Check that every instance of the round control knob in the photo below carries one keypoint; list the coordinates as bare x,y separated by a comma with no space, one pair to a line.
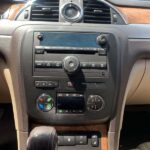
45,102
71,64
95,103
102,40
40,37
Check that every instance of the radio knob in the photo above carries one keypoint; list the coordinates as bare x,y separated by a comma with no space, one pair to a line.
102,40
95,103
71,64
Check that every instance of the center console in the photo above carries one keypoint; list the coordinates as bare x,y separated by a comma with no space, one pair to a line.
70,77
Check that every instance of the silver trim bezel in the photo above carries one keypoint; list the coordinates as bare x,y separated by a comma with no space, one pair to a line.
77,18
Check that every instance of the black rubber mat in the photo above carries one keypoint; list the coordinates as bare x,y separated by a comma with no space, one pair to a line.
136,129
8,138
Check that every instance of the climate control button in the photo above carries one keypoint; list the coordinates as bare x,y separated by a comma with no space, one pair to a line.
45,102
95,103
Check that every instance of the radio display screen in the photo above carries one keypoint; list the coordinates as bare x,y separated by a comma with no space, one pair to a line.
69,39
70,103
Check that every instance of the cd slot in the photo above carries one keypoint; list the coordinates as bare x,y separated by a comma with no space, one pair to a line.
68,50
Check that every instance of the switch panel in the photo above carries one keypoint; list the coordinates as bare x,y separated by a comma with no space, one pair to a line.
82,139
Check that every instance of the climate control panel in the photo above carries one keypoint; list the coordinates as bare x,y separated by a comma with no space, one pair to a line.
70,103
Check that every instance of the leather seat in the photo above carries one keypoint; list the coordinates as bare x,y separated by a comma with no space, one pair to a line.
143,146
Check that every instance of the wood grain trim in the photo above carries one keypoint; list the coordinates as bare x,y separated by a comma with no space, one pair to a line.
132,15
14,9
135,15
102,128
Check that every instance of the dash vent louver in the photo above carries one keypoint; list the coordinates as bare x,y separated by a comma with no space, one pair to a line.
45,11
96,11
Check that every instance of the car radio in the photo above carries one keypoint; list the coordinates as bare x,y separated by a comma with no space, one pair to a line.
71,76
69,54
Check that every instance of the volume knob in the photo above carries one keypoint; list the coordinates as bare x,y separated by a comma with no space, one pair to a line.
71,64
102,40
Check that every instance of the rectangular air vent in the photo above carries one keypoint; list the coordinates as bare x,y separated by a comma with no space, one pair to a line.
45,11
96,12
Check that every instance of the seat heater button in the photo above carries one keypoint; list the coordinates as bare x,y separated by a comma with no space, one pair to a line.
69,140
60,140
94,141
81,140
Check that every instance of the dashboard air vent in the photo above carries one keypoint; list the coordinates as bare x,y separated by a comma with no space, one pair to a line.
96,11
45,11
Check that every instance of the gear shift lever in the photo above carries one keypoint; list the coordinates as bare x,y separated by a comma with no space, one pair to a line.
42,138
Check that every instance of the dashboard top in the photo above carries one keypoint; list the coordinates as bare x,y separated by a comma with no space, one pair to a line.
135,14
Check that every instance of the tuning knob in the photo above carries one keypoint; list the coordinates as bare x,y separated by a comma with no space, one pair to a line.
71,64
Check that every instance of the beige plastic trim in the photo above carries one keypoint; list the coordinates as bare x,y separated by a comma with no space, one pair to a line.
116,124
22,140
13,98
136,77
142,93
21,136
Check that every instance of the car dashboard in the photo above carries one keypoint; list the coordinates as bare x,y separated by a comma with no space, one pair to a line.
74,65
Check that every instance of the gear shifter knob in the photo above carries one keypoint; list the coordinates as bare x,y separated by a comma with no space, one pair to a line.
42,138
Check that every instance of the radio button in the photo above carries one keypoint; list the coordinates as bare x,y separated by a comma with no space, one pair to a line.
58,64
102,51
48,64
53,64
93,65
39,51
103,65
85,65
39,64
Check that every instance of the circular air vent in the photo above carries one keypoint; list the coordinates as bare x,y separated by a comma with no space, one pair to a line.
72,12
